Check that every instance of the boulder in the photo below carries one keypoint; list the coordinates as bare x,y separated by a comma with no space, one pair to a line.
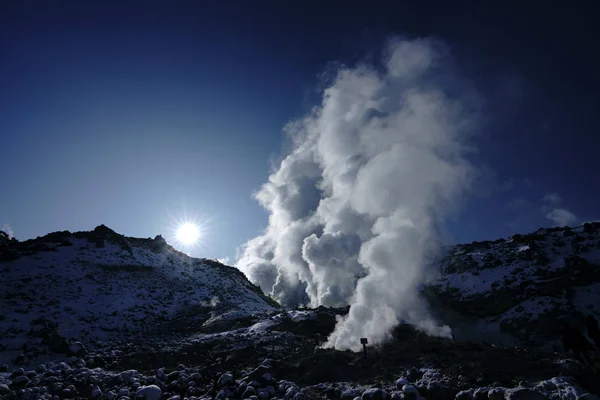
374,394
150,392
225,379
401,382
410,392
464,395
438,391
522,393
496,394
77,349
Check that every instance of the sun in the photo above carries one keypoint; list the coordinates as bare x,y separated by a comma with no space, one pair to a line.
188,233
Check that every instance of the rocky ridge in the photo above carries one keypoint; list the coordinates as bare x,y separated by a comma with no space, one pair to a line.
517,291
199,343
98,286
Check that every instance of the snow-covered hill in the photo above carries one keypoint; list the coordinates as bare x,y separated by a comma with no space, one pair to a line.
524,286
99,285
161,324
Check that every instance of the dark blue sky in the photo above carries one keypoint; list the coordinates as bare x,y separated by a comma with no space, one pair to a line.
136,114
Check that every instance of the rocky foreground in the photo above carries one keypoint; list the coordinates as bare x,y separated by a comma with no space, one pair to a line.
279,358
161,325
72,379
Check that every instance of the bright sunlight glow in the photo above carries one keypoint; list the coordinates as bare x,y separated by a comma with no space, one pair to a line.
188,233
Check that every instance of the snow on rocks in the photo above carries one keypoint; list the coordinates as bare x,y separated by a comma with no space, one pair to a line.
374,394
249,391
401,382
564,386
292,391
464,395
410,392
128,376
225,379
350,393
138,282
150,392
67,380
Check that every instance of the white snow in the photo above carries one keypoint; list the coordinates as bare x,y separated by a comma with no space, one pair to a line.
262,326
101,293
150,392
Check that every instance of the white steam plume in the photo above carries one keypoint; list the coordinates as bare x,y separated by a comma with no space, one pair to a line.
356,206
7,228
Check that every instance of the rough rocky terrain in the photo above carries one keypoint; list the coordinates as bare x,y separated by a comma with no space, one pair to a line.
517,291
187,328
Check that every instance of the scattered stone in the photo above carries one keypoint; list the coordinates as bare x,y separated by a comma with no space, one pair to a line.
250,391
225,379
128,376
496,394
397,395
374,394
263,394
172,376
96,393
522,393
150,392
464,395
20,380
196,377
17,372
258,372
414,374
438,391
291,391
77,349
4,390
401,382
410,392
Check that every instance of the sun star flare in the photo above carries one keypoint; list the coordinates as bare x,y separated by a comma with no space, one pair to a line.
188,233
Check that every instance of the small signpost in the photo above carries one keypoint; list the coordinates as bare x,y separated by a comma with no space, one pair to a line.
319,339
364,342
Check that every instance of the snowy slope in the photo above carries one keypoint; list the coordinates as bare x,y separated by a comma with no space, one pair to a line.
525,285
100,285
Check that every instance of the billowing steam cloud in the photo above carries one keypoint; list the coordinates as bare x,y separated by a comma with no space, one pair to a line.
356,206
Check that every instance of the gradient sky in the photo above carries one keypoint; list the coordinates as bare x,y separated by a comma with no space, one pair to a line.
138,114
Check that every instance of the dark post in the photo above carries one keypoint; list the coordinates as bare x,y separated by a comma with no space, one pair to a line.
215,385
364,342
